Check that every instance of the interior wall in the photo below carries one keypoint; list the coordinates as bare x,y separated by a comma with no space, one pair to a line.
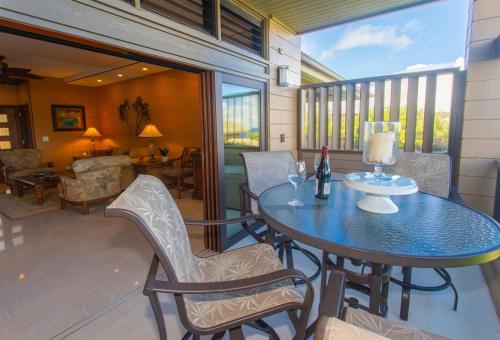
62,145
8,95
174,99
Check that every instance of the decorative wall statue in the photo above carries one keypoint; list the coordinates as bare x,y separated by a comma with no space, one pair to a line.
141,111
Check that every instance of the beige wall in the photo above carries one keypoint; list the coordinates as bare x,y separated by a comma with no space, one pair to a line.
174,98
481,129
283,100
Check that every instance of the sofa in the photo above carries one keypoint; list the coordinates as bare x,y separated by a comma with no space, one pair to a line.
17,163
97,179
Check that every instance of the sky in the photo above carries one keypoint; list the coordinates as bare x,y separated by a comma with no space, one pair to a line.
414,39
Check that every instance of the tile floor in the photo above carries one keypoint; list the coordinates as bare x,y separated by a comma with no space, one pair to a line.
68,275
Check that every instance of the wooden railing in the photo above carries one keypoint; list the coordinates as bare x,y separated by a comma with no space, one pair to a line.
428,104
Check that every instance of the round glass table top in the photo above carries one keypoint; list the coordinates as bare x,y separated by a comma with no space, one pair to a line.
428,231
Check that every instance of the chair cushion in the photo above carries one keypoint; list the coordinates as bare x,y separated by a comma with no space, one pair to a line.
98,163
390,329
330,328
209,310
174,172
21,158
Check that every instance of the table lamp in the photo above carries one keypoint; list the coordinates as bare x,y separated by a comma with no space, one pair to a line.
150,131
92,133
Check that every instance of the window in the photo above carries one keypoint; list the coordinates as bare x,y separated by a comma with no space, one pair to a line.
199,14
240,28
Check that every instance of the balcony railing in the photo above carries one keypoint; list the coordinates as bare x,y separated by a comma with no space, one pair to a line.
428,104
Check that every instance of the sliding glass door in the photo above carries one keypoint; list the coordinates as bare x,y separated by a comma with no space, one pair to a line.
242,125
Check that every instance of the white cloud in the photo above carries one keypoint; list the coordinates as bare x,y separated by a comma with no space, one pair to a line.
413,26
459,62
367,35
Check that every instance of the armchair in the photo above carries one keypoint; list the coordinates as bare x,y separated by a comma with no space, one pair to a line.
17,163
338,322
96,179
216,294
183,171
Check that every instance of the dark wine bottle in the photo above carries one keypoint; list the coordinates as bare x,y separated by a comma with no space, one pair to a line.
322,189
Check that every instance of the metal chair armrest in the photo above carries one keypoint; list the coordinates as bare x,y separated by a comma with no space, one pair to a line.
333,302
244,187
220,222
225,286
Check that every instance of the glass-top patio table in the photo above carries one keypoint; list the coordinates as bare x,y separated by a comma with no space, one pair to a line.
428,231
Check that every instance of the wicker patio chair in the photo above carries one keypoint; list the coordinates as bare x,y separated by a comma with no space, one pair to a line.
214,294
263,171
338,322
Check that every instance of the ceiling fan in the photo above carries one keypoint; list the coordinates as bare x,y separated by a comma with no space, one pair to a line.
14,75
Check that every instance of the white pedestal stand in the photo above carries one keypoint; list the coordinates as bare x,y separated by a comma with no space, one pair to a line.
379,190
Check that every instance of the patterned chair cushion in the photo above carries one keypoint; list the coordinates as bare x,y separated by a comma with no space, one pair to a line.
330,328
384,327
431,171
210,310
265,170
21,158
150,200
91,185
98,163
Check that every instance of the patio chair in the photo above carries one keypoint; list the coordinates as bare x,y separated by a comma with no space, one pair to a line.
264,170
213,294
432,172
338,322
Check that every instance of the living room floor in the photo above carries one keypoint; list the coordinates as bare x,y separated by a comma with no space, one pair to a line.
75,276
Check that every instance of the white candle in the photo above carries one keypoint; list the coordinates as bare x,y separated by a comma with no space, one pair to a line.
381,144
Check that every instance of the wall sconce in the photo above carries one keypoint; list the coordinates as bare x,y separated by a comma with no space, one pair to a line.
283,75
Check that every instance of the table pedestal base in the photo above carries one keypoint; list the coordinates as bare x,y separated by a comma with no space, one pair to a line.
381,204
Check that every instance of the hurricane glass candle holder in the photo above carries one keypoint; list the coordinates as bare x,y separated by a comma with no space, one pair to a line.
381,145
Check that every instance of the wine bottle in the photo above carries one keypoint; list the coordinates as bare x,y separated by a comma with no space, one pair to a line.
322,188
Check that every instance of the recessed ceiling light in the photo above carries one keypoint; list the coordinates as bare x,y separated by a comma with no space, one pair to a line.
119,75
99,80
144,68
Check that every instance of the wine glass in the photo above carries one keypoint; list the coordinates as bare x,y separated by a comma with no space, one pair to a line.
296,176
317,160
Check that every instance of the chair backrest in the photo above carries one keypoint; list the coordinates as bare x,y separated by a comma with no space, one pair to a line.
266,169
148,202
99,163
187,157
431,171
21,158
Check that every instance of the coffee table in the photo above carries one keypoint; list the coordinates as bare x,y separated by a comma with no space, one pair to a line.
38,184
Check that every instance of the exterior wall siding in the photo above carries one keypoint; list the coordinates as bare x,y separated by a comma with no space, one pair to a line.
481,129
283,100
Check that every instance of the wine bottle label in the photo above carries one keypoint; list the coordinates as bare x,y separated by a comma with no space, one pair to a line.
326,188
316,187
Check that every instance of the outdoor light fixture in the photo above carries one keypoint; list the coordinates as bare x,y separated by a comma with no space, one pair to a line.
283,75
150,131
92,133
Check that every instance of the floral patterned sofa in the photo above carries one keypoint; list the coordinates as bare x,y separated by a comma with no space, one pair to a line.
17,163
96,179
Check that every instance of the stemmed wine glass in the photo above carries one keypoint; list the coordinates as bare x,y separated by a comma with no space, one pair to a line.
317,160
296,176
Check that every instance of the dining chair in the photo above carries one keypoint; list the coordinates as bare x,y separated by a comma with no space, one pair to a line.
336,321
214,294
264,170
185,169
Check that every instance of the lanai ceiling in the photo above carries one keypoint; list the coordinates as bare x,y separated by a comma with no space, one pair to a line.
308,15
75,66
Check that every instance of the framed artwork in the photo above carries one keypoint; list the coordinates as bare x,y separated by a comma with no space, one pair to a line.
68,118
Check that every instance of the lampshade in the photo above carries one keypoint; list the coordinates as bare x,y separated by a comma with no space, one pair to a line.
150,131
92,133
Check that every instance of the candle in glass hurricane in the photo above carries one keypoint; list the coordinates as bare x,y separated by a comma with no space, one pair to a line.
381,144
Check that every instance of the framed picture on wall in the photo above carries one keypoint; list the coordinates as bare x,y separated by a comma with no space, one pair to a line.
68,118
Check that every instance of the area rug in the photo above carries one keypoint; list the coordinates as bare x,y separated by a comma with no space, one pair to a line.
16,208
